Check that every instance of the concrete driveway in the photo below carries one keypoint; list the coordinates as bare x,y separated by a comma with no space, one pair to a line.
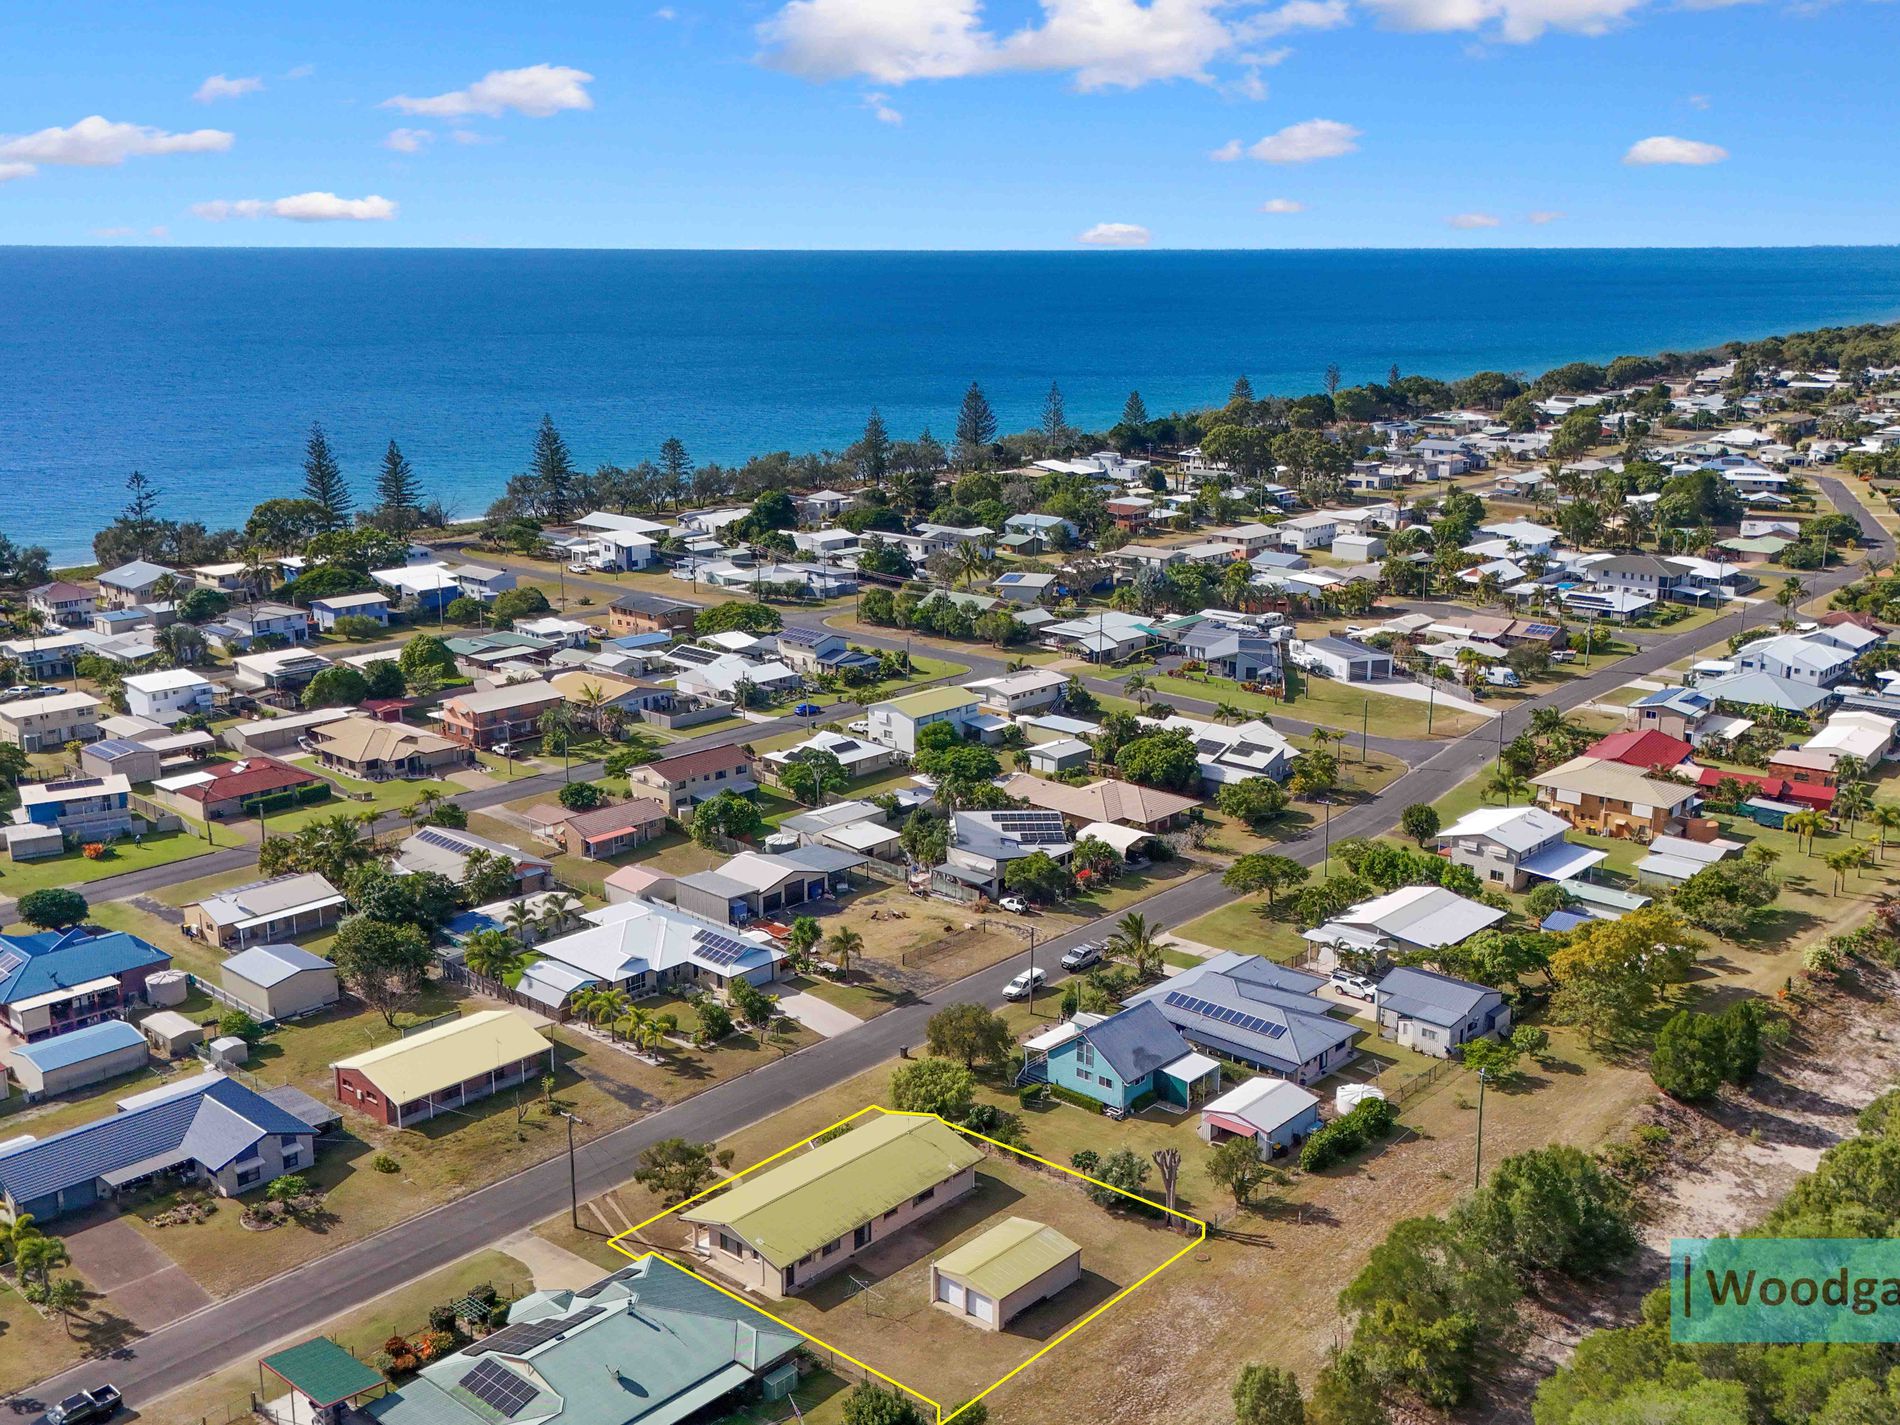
819,1016
143,1284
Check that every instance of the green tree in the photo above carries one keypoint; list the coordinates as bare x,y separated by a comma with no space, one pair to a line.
813,776
1122,1169
65,1298
398,493
1267,1395
1550,1210
1056,434
969,1032
1162,759
553,472
874,1405
1254,800
938,1086
381,964
338,686
52,908
976,428
1038,876
675,1169
1690,1055
728,815
323,482
1420,822
1236,1166
1264,871
874,450
581,796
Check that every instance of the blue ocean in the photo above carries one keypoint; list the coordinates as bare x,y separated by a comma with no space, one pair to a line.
204,368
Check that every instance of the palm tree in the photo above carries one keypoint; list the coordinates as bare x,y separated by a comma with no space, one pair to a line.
592,700
604,1006
519,918
1227,712
1138,688
1137,942
37,1255
1853,801
973,561
844,943
497,957
1884,817
65,1298
1843,861
1805,825
1507,784
558,909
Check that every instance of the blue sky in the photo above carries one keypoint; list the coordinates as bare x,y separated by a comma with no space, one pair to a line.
951,123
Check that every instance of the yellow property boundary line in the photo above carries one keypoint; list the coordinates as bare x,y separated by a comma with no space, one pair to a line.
936,1405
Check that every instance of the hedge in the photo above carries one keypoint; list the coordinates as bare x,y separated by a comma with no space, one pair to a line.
1371,1121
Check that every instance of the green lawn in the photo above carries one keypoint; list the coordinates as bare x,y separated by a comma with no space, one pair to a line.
1328,702
1240,926
73,869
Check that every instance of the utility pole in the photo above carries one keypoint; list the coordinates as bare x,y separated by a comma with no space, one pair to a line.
1365,720
1431,700
1032,972
573,1179
1477,1170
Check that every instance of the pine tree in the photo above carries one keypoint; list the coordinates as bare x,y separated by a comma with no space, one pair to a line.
1392,374
398,494
1332,378
976,427
1055,419
554,473
1243,390
323,482
1135,411
874,451
140,516
676,469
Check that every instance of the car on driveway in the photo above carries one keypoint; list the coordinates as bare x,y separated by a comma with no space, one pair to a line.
1015,905
1020,987
1089,952
1355,985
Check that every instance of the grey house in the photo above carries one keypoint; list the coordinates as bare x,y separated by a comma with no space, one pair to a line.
755,883
1239,654
1434,1013
1648,575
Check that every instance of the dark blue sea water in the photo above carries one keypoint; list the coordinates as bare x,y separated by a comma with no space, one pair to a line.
204,368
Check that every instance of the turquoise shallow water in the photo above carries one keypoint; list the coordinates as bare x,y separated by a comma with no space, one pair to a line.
204,367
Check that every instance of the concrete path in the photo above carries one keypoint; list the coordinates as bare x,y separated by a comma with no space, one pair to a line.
1419,693
142,1284
552,1266
819,1016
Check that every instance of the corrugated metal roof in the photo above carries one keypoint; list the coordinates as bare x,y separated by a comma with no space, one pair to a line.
57,960
428,1062
65,1050
269,965
1008,1257
793,1209
234,1118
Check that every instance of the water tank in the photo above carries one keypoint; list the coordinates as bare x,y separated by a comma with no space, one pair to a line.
165,988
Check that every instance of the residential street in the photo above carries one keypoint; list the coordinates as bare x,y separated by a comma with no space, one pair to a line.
240,1327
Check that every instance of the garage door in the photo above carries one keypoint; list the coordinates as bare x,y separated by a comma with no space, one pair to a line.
950,1293
981,1307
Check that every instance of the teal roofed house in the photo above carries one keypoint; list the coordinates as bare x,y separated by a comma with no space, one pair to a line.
1123,1061
649,1345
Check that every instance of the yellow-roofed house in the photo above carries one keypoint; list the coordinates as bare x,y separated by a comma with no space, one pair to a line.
779,1230
415,1078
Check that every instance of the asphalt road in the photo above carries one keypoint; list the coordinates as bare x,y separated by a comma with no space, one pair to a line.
241,1327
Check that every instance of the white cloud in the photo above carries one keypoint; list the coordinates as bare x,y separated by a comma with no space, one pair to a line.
1102,43
1545,215
302,71
666,12
1472,220
1293,15
300,208
1698,101
161,231
1306,141
115,232
98,143
879,105
538,91
1666,149
219,87
469,136
409,140
1228,152
1115,235
1518,21
1283,205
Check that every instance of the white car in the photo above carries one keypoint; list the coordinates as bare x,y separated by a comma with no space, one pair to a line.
1020,987
1083,955
580,567
1358,986
1015,905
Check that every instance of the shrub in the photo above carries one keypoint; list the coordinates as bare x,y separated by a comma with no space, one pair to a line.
236,1022
1029,1095
383,1163
1371,1121
1072,1096
95,850
442,1318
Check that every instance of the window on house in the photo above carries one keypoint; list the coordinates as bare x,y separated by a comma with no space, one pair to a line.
832,1246
923,1197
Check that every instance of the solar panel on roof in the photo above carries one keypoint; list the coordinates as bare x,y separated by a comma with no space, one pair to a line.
10,960
1541,630
526,1335
1222,1014
429,836
499,1388
720,949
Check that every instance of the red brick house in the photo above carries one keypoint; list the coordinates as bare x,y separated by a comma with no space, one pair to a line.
227,789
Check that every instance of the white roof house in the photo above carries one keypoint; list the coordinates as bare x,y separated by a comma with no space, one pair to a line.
633,940
1514,828
1865,735
1410,918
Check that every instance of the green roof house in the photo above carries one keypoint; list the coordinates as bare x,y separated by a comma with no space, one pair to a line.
993,1278
779,1230
896,722
649,1345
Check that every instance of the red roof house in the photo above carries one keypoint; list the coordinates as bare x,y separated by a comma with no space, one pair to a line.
1645,749
234,788
1778,789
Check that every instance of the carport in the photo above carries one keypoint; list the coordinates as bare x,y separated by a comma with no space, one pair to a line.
321,1376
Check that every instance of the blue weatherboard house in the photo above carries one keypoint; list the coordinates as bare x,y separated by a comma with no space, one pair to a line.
1124,1061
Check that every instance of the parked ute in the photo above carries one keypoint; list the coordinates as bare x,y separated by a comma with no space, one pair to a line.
100,1403
1020,987
1084,955
1015,905
1358,986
